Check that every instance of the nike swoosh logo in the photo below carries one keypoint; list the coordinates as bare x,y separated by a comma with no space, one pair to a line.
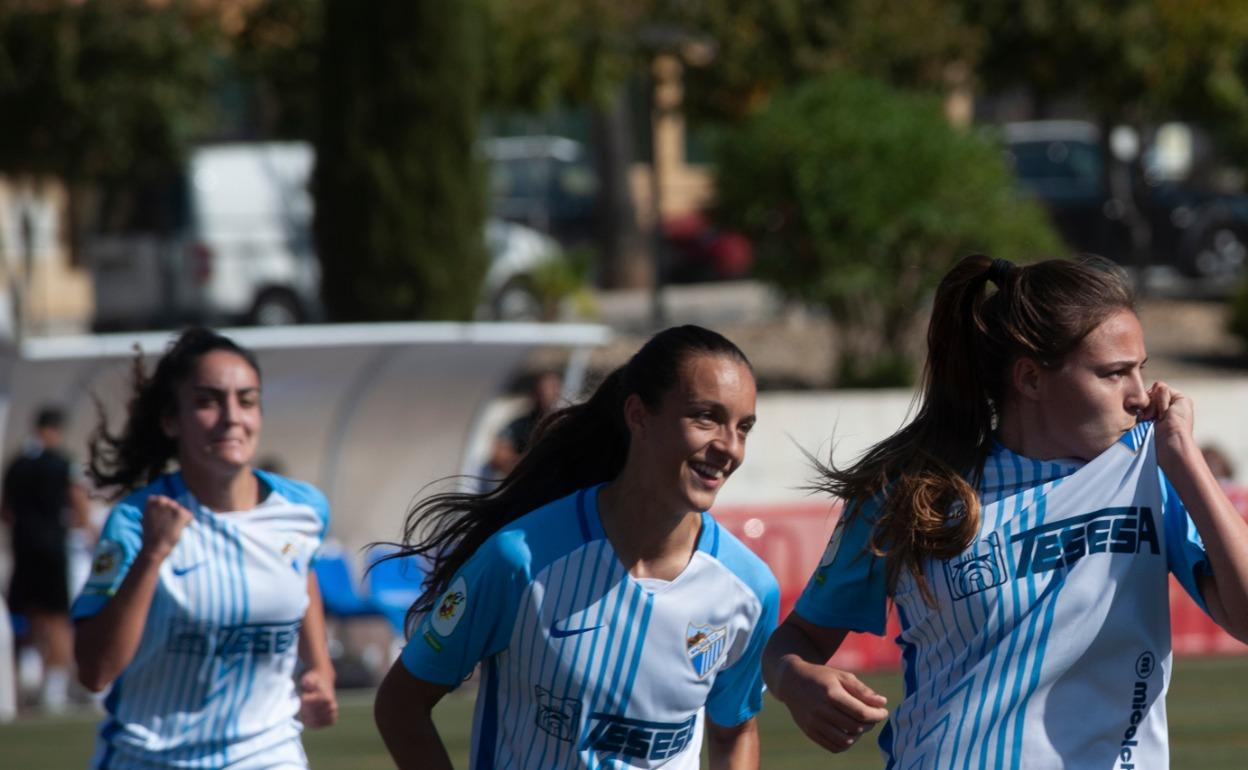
561,633
180,571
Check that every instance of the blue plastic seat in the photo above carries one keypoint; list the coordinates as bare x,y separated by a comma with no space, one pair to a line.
394,585
338,586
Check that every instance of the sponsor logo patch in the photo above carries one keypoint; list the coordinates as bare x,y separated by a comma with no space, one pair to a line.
560,717
636,739
1128,748
445,616
432,641
980,568
105,568
1063,543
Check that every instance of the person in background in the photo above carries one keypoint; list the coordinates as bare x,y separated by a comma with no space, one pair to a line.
1224,471
42,499
513,440
201,600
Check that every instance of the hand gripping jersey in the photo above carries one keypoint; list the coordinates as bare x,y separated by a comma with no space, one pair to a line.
211,684
1050,642
585,666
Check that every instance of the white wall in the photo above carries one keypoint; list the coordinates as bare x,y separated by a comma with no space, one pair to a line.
775,469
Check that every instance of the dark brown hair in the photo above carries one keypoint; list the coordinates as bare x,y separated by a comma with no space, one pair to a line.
122,463
925,474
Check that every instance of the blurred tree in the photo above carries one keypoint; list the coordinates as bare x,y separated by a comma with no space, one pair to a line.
399,197
100,90
858,198
581,52
276,54
760,46
1133,63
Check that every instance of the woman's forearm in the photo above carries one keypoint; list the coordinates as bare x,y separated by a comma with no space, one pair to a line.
105,643
403,712
1225,536
313,641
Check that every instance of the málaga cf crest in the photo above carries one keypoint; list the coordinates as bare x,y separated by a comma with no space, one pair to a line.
706,647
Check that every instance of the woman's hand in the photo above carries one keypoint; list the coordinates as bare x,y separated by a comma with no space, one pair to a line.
1174,416
318,705
833,707
163,521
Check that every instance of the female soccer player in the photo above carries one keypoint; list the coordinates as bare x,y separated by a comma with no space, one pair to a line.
609,612
1024,524
200,595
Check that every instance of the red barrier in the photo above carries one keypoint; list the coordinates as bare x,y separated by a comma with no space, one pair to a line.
791,537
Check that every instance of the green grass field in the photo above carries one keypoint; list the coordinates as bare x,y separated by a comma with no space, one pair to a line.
1208,708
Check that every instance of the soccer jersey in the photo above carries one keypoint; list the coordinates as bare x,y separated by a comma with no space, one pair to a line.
585,666
211,685
1050,642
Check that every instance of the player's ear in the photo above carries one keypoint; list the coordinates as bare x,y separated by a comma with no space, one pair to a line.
635,414
1025,376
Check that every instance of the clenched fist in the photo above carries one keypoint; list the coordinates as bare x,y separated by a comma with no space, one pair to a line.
163,521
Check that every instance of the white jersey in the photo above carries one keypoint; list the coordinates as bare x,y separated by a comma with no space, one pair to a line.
211,685
1050,642
585,666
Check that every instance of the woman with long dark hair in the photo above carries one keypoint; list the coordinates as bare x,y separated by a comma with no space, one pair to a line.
200,600
1024,524
614,619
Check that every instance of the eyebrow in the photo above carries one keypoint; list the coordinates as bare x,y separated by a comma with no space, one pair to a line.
711,404
215,391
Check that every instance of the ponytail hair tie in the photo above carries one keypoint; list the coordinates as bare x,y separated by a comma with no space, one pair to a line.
999,271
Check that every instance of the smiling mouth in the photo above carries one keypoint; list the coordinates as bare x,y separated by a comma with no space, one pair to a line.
708,473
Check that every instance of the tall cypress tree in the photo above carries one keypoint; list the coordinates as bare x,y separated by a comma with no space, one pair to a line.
399,189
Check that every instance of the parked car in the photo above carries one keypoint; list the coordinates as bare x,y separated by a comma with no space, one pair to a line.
543,182
697,250
231,242
1201,231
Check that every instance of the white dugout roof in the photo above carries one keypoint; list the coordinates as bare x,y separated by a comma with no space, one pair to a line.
369,413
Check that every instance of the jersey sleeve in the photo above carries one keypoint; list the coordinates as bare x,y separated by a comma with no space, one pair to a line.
1186,557
119,543
471,620
849,588
737,694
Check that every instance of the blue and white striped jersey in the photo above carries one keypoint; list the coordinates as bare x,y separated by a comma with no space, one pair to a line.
585,666
1050,642
211,685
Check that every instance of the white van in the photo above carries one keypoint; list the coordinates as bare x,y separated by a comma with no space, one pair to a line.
235,245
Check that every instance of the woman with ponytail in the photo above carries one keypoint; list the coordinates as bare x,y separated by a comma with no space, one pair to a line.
201,603
1023,523
615,621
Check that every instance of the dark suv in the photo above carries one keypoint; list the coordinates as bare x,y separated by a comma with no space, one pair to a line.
1201,232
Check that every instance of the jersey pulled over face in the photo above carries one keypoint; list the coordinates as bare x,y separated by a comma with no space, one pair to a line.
1049,645
585,666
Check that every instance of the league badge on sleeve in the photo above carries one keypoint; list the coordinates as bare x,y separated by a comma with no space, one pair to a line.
707,648
105,569
450,608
